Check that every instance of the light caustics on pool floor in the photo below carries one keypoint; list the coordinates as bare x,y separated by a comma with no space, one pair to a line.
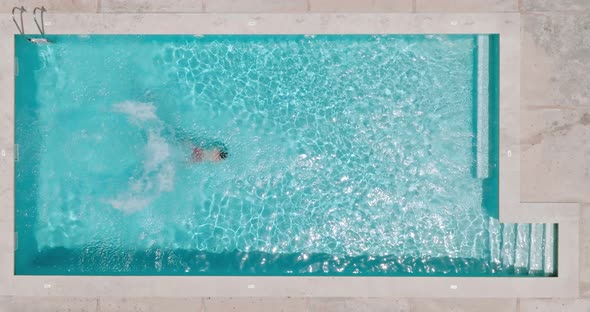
369,155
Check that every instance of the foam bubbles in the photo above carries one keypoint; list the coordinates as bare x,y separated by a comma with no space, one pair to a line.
166,178
130,203
157,150
137,111
158,171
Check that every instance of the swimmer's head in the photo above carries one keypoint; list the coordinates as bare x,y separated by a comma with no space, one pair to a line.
223,154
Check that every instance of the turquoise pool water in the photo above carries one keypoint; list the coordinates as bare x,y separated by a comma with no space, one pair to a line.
347,155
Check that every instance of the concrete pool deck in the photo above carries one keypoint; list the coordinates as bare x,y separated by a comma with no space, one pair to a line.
548,92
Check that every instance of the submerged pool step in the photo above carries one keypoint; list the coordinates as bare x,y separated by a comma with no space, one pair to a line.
523,248
526,249
536,253
549,249
483,102
495,232
508,244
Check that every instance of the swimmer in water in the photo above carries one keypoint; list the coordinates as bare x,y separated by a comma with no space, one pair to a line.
214,154
201,149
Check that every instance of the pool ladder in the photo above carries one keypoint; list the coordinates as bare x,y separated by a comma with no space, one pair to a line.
21,26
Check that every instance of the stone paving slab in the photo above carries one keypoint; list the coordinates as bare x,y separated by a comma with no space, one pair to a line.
466,5
59,304
381,6
151,305
51,5
359,304
555,155
585,252
554,305
40,304
460,305
555,5
555,60
255,304
255,6
555,108
167,6
269,6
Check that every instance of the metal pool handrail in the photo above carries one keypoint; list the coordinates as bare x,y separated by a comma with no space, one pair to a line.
21,28
42,27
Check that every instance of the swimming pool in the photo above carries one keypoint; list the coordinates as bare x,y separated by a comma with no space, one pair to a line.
348,155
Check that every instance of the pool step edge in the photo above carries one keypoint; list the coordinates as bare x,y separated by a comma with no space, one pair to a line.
482,122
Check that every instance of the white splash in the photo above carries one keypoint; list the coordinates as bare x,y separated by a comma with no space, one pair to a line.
166,178
130,203
158,171
157,151
137,111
